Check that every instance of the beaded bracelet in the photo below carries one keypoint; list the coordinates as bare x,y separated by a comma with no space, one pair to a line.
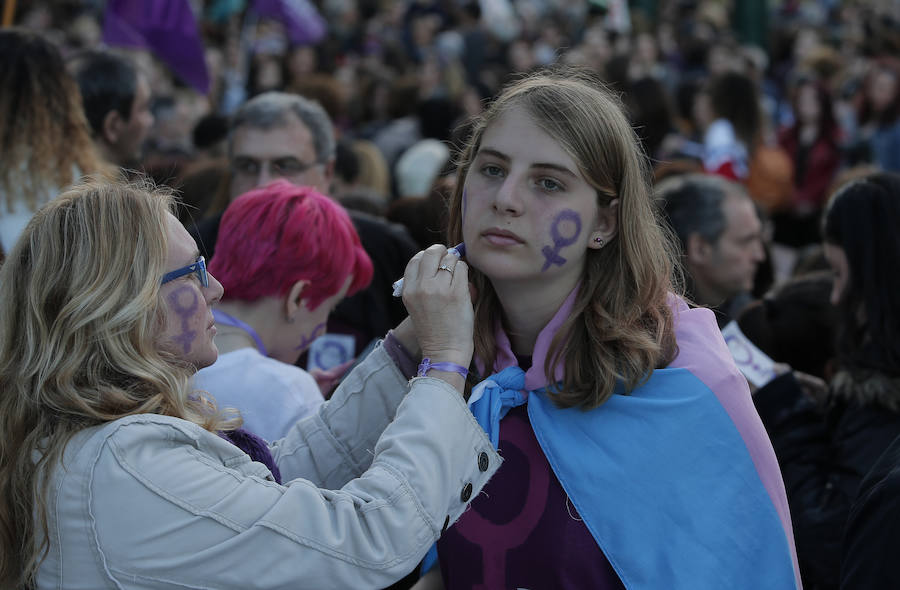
427,365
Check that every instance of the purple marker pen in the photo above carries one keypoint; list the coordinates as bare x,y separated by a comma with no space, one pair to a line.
459,250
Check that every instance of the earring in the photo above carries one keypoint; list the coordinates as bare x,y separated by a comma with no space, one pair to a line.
599,242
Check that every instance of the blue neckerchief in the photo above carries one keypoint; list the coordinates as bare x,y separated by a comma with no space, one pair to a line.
494,397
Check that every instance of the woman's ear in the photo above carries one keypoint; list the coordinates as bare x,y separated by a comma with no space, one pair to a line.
607,225
294,300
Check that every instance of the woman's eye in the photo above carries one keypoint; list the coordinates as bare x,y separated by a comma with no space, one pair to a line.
549,185
492,170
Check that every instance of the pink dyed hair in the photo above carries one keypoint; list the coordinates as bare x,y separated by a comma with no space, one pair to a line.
274,236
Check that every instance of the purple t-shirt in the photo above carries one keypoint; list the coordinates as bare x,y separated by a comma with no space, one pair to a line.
522,531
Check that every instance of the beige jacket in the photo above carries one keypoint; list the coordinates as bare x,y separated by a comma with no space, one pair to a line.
156,502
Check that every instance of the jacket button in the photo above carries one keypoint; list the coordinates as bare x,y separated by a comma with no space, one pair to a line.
466,493
446,524
483,461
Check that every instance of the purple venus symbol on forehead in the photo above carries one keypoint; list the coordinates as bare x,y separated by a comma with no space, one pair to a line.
551,255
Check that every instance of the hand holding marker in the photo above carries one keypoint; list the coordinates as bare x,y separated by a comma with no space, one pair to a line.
458,250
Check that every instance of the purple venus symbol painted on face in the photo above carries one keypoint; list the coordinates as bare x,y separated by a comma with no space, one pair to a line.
559,242
185,312
308,340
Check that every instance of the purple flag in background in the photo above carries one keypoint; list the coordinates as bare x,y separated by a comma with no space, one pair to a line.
167,28
302,22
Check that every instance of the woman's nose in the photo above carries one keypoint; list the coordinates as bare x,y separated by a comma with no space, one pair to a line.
508,199
215,290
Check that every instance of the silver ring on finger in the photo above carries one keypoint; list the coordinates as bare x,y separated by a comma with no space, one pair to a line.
447,268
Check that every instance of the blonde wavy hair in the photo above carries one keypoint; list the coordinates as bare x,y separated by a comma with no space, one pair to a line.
44,135
621,326
80,315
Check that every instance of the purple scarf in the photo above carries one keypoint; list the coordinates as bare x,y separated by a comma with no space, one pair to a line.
253,446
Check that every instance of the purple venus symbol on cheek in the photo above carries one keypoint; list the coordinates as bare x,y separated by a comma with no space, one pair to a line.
551,255
185,312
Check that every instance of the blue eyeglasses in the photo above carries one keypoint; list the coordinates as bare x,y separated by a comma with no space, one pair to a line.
198,267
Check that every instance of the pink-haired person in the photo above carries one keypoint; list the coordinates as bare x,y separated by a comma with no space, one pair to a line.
286,256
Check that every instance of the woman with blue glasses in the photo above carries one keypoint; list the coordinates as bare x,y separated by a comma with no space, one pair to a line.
115,473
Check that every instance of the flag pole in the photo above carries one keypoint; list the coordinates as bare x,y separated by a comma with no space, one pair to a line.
9,10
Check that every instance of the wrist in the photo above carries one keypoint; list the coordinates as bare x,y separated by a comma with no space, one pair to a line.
428,364
406,336
457,357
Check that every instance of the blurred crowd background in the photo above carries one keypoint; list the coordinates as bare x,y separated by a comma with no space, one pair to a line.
810,88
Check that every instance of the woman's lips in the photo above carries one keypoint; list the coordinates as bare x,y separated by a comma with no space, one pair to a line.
501,237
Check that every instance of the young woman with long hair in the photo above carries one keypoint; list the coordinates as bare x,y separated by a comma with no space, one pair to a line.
633,456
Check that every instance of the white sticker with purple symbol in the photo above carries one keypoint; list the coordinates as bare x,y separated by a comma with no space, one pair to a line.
330,350
756,366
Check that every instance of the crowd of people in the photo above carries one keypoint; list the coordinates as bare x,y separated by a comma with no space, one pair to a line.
549,404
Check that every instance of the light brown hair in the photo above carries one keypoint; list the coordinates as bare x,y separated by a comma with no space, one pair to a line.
620,328
44,135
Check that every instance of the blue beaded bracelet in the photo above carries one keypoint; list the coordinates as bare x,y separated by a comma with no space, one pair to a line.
427,365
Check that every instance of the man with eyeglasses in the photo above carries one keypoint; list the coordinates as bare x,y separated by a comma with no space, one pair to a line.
279,135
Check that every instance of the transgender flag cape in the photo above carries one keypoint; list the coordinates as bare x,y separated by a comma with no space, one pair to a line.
677,481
